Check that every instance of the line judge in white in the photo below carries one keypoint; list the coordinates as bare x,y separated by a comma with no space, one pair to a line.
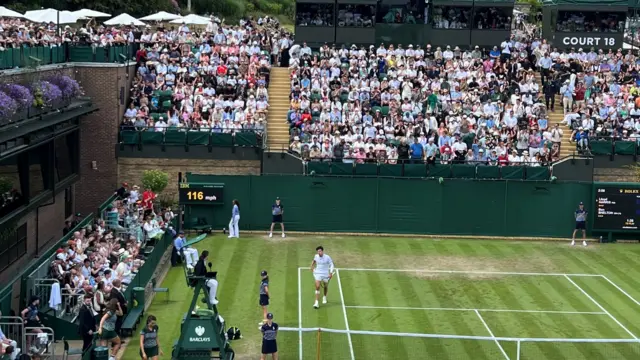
323,269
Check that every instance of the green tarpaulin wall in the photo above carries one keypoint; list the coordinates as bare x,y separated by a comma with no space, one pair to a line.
586,3
384,205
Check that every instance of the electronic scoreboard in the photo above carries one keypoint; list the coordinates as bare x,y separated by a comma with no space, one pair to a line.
200,194
617,208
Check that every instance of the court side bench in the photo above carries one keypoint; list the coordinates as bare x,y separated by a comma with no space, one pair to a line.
131,321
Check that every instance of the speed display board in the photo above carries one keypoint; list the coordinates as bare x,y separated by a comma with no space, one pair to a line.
617,208
201,194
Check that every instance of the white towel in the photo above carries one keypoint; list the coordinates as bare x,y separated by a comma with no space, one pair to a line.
55,299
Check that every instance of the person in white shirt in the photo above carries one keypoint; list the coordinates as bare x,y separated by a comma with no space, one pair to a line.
323,269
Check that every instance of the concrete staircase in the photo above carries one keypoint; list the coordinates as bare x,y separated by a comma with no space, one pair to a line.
555,117
277,126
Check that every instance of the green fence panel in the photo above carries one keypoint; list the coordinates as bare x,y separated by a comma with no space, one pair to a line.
513,172
220,139
5,59
175,137
130,137
440,170
463,171
246,138
537,173
388,205
151,137
393,170
625,147
198,138
602,147
17,60
320,168
57,55
366,169
487,172
339,168
415,170
81,54
47,56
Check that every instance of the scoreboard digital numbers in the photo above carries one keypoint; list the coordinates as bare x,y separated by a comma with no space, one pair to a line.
200,194
617,208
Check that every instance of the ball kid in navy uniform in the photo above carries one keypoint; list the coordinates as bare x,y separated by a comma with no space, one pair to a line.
264,296
277,210
581,224
269,334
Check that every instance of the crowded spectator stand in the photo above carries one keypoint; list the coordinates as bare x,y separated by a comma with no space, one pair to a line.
391,105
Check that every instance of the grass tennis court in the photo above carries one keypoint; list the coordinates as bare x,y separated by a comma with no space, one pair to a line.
390,292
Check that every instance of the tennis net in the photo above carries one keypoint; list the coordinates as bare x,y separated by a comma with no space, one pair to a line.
324,343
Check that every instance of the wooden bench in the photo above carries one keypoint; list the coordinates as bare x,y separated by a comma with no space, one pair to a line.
131,321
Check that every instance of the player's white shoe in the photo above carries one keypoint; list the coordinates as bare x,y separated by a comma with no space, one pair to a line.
324,299
584,243
315,305
270,235
283,236
573,242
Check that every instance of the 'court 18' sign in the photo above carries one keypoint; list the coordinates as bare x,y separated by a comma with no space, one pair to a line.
589,41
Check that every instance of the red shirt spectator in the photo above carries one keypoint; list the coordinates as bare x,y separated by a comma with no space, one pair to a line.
503,159
147,199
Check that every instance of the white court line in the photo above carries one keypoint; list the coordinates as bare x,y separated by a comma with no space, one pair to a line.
493,336
601,307
481,310
621,290
467,272
346,320
300,312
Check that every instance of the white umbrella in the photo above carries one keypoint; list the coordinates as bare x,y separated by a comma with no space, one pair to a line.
124,19
88,13
4,12
51,15
160,16
191,19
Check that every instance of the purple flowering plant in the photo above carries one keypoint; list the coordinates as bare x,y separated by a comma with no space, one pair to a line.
20,94
45,93
8,106
69,87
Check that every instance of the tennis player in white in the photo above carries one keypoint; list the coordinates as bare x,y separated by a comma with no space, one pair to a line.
323,269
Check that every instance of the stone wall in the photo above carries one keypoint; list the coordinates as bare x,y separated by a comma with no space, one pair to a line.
131,169
614,175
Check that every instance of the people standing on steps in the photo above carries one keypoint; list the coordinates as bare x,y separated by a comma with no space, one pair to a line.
234,232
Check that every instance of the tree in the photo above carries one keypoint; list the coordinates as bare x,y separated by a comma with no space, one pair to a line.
155,180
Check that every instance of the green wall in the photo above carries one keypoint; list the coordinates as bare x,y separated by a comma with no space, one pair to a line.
383,205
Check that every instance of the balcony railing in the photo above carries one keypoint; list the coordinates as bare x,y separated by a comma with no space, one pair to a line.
31,56
611,146
201,137
469,170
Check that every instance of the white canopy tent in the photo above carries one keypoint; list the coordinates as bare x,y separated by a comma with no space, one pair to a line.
191,19
88,13
124,19
4,12
161,16
51,15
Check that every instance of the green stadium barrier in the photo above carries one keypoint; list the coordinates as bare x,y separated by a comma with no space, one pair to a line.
198,138
463,171
220,139
175,137
339,168
602,147
129,137
366,169
625,147
512,172
415,170
537,173
319,167
440,170
487,172
246,138
151,137
393,170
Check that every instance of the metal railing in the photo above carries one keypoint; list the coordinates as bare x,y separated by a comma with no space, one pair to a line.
13,329
71,299
422,169
609,145
182,137
39,341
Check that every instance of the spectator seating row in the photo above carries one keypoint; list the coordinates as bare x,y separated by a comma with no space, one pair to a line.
423,170
612,146
202,137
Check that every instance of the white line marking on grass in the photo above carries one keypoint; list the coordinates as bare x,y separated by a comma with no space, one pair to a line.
300,313
601,307
344,311
621,290
461,337
481,310
470,272
493,336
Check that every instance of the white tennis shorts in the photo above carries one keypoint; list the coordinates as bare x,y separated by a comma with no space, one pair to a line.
321,277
